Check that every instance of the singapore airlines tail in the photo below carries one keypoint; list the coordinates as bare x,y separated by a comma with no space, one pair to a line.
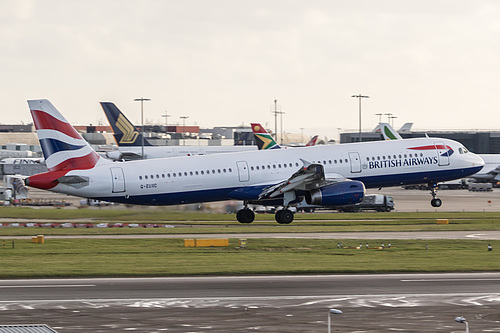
124,131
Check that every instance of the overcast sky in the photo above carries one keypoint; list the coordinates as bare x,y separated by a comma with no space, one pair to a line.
222,63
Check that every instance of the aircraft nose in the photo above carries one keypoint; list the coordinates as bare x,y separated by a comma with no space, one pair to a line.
478,161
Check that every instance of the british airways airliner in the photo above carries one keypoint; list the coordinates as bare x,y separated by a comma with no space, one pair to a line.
319,176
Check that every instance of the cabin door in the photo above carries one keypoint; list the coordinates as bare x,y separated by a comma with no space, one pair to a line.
355,162
443,153
118,180
243,173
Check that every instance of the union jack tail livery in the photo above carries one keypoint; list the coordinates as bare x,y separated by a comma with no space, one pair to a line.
62,146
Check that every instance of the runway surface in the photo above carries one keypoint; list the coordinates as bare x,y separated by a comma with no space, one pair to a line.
370,303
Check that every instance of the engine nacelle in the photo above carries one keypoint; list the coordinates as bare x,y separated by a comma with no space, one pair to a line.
337,194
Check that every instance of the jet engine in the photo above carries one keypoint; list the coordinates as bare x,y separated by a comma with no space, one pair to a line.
337,194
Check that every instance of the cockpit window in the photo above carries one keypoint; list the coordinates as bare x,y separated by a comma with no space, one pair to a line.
465,150
460,150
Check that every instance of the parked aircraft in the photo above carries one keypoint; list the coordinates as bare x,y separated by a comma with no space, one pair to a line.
131,147
490,173
265,140
330,175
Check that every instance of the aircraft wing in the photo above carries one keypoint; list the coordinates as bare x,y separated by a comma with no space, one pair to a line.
310,176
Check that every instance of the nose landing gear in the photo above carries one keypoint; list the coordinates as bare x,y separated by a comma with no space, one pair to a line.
435,202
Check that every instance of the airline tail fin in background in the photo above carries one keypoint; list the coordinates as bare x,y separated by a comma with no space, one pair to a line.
388,132
263,138
124,131
406,127
62,146
312,142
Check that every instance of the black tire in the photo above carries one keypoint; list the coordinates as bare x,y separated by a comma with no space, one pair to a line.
284,216
245,215
436,202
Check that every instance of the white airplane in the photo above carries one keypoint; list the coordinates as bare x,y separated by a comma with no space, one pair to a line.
490,173
132,145
320,175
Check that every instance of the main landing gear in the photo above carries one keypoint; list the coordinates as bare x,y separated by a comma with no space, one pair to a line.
435,202
284,216
245,215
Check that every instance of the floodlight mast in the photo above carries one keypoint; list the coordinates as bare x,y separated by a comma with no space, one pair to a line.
142,99
359,97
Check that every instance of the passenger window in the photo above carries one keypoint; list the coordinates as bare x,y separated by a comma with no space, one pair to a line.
140,177
146,176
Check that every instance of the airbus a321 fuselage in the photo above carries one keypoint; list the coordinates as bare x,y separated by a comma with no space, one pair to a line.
315,176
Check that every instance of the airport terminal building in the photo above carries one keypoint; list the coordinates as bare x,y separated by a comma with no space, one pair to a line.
479,142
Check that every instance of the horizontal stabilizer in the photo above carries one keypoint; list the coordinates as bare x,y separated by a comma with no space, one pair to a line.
72,179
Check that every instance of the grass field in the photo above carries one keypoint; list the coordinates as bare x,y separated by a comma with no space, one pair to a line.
169,257
201,223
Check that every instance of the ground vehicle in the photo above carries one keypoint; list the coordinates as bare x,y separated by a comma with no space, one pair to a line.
378,202
480,187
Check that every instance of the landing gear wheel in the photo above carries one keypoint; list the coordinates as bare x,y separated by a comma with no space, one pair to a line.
436,202
284,216
245,215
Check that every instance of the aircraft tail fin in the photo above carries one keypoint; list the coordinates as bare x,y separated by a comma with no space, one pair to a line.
62,146
263,138
124,131
406,127
312,142
389,133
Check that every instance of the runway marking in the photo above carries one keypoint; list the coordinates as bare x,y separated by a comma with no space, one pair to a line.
475,235
339,297
49,286
450,280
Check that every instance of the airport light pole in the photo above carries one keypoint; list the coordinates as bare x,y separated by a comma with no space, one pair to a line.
166,115
359,97
330,312
142,99
462,320
388,117
392,118
379,117
184,128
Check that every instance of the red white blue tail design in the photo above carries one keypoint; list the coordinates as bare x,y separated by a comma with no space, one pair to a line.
62,146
